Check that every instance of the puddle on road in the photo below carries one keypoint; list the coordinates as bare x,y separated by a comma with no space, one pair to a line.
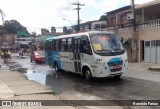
14,66
48,78
39,73
39,77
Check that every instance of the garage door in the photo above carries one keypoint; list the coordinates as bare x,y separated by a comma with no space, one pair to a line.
147,51
152,51
158,51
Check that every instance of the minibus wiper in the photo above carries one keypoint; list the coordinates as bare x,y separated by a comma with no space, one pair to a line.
104,51
115,50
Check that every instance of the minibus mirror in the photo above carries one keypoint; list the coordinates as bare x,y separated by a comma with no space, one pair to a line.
122,39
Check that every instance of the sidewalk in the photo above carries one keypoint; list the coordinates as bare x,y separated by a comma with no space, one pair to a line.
141,71
15,86
142,66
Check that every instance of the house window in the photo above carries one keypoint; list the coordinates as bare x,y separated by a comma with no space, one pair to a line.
97,26
103,26
157,42
158,16
89,26
113,21
83,27
153,43
122,19
147,43
152,17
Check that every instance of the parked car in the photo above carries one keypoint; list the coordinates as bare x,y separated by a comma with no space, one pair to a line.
37,56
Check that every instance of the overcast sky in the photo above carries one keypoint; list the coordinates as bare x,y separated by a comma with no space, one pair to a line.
37,14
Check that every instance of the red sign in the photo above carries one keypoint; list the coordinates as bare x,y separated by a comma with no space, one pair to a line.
116,67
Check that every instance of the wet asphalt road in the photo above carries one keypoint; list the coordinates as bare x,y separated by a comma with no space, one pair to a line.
125,88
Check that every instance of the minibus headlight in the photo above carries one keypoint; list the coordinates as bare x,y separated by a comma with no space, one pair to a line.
126,60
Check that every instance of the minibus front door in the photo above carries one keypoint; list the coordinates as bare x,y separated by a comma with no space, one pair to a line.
77,58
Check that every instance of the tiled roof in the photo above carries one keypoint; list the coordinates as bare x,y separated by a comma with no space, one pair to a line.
153,2
119,9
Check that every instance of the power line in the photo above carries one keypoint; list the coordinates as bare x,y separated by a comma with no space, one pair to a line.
44,28
39,29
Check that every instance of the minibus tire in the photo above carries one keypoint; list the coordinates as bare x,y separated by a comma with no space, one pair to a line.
117,76
88,75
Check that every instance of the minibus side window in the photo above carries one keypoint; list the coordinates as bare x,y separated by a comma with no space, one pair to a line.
85,45
69,44
56,45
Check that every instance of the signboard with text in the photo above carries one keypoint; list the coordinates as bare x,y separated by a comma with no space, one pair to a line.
21,32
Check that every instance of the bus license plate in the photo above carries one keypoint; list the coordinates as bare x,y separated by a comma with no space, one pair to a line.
116,67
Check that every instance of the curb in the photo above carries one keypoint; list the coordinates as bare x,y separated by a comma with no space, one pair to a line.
154,68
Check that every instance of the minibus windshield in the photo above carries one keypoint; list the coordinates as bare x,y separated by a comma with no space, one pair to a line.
106,44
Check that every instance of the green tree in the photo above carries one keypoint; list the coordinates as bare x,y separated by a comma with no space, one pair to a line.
41,45
13,26
103,17
2,30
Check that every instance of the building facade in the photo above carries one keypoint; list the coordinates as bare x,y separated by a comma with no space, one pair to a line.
8,39
92,25
147,29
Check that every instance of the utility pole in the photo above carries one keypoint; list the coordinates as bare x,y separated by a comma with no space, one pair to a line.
134,35
33,42
78,8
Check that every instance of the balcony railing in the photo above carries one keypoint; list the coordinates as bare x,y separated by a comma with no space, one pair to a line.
149,24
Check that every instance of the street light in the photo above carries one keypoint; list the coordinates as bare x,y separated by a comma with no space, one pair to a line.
68,21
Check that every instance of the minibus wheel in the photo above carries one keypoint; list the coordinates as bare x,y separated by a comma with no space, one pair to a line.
88,75
117,76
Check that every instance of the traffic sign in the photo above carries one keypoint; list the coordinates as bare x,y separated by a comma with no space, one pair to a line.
21,32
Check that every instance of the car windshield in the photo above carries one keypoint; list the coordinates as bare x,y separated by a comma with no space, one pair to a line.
106,43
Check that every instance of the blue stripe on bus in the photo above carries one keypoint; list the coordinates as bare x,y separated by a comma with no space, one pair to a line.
46,57
114,59
56,59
